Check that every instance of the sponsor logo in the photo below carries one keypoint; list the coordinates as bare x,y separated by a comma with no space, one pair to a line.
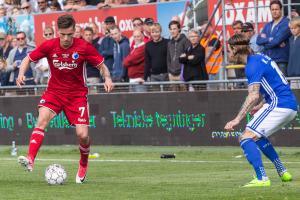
81,120
42,101
64,65
75,55
54,55
65,55
33,141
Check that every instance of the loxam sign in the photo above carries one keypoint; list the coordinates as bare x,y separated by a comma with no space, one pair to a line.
240,10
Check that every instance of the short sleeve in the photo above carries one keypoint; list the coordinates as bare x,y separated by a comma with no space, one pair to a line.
40,52
93,56
254,72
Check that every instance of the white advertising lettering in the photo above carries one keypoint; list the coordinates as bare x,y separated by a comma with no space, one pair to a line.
245,12
64,65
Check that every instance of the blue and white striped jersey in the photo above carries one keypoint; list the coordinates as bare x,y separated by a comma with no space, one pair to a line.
274,87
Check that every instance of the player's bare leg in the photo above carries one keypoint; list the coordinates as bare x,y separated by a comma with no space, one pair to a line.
84,148
36,139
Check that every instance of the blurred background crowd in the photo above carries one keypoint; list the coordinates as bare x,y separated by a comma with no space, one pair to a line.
147,55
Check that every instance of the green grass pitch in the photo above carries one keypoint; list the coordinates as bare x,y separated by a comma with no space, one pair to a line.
138,172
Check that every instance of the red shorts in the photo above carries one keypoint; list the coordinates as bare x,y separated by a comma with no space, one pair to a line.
74,107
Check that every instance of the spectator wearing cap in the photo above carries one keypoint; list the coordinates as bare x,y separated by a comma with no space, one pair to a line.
109,22
146,27
139,24
107,44
5,48
275,37
248,31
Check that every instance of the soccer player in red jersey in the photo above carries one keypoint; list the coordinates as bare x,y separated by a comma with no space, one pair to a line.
66,91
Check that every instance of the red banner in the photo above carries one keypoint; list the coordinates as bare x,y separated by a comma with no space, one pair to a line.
240,10
122,15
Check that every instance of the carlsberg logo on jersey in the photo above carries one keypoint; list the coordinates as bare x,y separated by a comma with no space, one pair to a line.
64,65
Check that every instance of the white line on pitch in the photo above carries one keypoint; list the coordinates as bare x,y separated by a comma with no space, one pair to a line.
145,161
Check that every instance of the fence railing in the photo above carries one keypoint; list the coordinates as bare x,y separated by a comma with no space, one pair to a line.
167,86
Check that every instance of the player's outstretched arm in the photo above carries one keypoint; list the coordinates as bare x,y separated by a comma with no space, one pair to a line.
23,68
249,103
108,84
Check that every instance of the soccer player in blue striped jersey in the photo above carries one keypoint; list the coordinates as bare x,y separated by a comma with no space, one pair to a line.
277,108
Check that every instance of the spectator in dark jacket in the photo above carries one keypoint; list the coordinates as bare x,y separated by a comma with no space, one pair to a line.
156,56
121,50
275,37
194,60
176,46
294,56
107,44
92,73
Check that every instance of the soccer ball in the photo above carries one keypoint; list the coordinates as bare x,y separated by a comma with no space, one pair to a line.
55,174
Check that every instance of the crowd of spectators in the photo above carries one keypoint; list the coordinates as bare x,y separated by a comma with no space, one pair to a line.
278,39
146,55
18,7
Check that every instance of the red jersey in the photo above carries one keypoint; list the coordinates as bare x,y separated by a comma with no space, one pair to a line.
67,72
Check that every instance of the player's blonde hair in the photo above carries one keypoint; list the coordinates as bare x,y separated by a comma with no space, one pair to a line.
295,22
240,47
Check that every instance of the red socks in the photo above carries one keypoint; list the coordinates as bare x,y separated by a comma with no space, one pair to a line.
35,142
84,153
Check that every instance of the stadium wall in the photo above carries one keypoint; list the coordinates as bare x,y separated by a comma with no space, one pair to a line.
185,118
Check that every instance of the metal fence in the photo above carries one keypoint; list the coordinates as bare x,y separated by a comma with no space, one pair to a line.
168,86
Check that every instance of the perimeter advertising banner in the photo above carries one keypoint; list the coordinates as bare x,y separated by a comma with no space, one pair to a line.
161,12
33,25
178,118
240,10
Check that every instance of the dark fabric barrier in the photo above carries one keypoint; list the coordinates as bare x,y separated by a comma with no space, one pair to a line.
185,118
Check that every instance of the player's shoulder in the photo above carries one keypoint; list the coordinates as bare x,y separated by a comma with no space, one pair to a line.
258,59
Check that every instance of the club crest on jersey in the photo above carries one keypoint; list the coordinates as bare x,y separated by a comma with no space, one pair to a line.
75,55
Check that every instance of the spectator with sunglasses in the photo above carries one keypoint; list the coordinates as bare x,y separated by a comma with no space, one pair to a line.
15,58
248,32
26,8
42,66
43,6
